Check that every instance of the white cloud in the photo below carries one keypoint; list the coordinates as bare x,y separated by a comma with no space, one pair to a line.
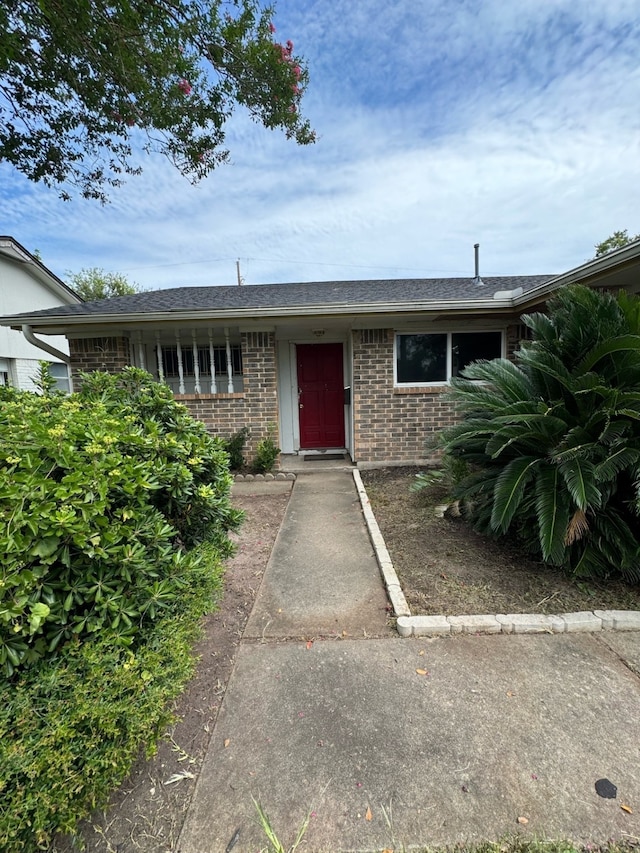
513,125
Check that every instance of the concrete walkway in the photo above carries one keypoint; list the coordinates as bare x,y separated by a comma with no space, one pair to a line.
390,741
322,579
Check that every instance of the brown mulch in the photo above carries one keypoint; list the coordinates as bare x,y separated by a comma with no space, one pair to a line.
447,568
146,814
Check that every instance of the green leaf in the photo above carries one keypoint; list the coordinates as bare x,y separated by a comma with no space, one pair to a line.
553,513
509,490
625,458
45,547
581,480
624,343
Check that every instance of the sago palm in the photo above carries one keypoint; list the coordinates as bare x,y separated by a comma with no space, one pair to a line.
552,441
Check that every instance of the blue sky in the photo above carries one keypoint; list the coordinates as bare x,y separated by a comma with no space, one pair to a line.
441,124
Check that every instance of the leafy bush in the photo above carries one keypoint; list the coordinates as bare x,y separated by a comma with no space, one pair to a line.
190,465
446,477
553,441
71,727
99,494
234,445
266,453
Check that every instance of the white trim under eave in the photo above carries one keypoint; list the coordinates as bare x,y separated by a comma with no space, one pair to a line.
27,331
60,322
13,251
590,268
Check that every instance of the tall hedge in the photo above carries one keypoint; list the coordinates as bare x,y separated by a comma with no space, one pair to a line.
102,493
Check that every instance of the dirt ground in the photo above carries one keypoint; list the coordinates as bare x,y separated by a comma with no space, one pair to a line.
147,813
446,568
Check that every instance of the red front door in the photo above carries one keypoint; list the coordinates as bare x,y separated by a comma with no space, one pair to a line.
320,395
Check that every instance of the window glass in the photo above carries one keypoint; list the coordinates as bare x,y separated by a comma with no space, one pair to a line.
60,372
4,371
170,360
422,358
473,346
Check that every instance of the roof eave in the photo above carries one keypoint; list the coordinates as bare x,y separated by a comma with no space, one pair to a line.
592,269
13,250
454,306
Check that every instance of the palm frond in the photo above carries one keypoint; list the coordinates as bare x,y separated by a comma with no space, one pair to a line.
578,526
542,365
509,490
623,343
552,513
511,382
533,433
623,458
579,475
613,431
630,307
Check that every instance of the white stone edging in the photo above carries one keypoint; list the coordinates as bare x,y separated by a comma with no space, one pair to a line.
520,623
249,478
394,590
500,623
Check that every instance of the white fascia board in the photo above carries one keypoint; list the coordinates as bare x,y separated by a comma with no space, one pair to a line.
46,325
17,253
594,267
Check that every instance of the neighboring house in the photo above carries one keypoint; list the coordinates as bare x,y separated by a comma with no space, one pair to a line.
27,285
355,366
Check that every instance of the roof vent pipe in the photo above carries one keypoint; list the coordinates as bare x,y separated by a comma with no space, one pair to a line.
476,249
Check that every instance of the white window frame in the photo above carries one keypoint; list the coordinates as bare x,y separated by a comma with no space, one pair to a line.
449,334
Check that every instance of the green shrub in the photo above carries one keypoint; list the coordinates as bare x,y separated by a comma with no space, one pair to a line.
234,445
451,471
266,453
190,466
100,493
553,441
71,727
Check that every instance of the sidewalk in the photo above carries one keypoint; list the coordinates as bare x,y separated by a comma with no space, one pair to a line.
322,579
392,741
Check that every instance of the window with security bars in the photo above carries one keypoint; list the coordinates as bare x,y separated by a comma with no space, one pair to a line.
170,360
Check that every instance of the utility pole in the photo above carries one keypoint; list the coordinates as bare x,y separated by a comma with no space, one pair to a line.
240,279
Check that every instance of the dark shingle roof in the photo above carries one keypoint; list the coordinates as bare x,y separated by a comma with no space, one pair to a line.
300,295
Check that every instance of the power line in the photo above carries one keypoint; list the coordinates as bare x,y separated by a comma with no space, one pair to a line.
289,262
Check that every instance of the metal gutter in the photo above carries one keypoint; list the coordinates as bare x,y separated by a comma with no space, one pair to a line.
27,331
594,267
191,315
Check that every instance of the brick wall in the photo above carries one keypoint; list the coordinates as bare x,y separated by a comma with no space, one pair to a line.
516,333
255,407
397,424
391,424
109,355
24,372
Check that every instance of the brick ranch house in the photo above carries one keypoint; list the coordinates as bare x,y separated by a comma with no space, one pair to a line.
353,366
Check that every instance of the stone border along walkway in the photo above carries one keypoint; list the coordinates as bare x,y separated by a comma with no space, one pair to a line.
248,478
499,623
